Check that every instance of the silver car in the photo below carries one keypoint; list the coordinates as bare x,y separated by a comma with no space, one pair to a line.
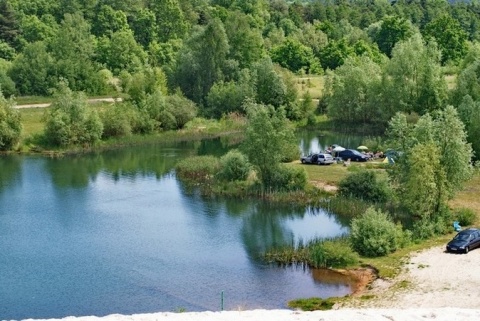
320,159
325,159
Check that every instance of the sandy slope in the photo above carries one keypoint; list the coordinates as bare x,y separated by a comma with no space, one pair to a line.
433,286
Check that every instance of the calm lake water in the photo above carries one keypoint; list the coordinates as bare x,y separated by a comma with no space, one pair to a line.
117,233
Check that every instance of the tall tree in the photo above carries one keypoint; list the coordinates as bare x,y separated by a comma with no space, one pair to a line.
268,138
351,92
450,37
201,61
121,52
170,21
10,124
434,160
33,70
73,50
392,30
246,43
295,56
9,26
413,81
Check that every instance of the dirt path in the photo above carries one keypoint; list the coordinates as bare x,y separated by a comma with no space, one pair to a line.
91,101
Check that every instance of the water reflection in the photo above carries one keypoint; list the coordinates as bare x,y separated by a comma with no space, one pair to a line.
318,141
10,170
115,232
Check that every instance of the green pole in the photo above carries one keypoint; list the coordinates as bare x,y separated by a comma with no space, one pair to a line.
222,300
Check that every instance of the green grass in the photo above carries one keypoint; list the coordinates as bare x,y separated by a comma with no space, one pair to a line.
312,304
32,121
311,84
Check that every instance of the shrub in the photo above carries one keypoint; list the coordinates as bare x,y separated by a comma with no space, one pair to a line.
10,124
287,178
234,166
331,254
375,234
364,185
117,120
465,216
69,121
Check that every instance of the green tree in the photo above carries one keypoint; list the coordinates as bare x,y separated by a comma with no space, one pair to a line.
143,25
246,43
392,30
294,56
227,97
38,29
413,81
351,92
9,26
121,52
202,61
468,83
108,21
335,53
270,87
73,49
32,70
268,139
450,37
469,113
7,85
69,121
434,160
10,124
170,21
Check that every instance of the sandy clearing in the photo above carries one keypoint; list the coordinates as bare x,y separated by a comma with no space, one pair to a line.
430,279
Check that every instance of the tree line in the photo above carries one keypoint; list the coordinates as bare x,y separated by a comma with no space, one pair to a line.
208,57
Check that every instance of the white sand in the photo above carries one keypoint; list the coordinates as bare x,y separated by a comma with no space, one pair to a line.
433,286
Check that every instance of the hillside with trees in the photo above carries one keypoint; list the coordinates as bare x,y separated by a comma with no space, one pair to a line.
174,60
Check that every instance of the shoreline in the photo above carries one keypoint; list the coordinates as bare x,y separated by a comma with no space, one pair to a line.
433,285
368,314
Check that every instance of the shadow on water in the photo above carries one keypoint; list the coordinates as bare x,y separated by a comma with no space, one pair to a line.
140,161
10,170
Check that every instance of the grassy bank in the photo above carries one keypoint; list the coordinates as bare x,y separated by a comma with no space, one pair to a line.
33,128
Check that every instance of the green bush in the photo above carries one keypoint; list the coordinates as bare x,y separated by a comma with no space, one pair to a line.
117,120
465,216
69,121
200,169
234,166
331,254
375,234
287,178
10,124
364,185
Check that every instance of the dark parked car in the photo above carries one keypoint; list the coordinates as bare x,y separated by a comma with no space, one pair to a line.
353,155
464,241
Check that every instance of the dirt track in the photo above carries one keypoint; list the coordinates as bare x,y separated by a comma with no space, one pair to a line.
93,100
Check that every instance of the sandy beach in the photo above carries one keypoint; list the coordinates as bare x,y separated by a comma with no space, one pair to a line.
433,285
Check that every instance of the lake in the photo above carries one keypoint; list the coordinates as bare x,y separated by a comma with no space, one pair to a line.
116,232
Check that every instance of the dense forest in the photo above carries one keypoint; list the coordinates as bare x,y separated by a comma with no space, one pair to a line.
176,59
